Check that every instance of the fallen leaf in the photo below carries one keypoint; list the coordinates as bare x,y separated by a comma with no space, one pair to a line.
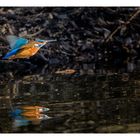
67,71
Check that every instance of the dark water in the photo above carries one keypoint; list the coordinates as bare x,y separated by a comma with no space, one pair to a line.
106,100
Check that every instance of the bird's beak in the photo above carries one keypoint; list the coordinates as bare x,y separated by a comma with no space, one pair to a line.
48,41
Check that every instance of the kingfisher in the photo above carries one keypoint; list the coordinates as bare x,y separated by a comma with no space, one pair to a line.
24,115
23,48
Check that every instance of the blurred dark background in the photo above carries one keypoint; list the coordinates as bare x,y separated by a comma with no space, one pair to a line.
85,35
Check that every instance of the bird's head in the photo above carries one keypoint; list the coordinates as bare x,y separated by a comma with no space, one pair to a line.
41,43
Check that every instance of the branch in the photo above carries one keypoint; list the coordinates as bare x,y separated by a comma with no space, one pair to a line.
34,34
120,26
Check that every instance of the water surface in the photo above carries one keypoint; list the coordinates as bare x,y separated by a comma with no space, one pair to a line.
104,100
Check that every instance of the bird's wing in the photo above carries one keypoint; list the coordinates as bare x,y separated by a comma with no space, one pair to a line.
16,42
12,52
19,49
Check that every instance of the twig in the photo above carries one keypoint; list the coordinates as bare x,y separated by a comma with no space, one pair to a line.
133,16
120,26
10,29
28,36
43,57
34,34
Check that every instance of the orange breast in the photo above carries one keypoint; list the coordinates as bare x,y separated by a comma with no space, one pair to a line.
26,51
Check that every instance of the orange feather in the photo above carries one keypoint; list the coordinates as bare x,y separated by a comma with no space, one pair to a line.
27,50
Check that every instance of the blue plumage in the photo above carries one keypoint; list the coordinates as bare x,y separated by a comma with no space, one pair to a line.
12,52
16,42
40,40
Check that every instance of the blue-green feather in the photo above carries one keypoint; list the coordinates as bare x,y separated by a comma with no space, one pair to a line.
12,52
16,42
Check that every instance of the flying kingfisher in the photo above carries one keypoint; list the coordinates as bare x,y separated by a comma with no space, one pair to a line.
23,48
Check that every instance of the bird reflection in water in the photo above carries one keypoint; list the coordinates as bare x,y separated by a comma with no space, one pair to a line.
25,115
